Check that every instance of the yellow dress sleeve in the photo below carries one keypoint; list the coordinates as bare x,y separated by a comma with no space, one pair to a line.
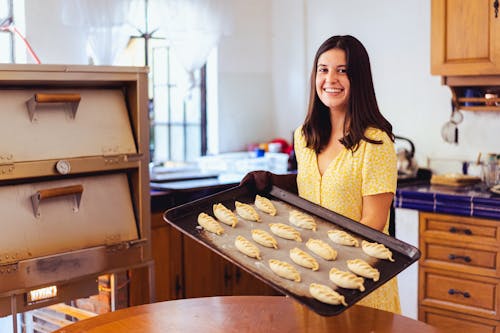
379,170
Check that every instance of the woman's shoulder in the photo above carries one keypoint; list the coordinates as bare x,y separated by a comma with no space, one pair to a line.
298,136
377,134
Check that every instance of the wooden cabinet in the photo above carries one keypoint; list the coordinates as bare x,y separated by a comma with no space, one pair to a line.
167,256
459,285
465,38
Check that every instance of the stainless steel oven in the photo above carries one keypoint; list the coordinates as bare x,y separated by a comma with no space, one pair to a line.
74,182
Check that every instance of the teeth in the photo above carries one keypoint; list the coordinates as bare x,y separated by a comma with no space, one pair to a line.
332,90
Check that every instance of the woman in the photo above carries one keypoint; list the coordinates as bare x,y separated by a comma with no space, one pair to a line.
345,151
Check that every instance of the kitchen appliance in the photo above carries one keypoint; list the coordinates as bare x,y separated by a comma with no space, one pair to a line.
74,181
407,165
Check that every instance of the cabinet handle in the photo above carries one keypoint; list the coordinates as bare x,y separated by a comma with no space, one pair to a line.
495,5
452,256
227,276
72,100
178,287
458,292
454,230
75,190
238,274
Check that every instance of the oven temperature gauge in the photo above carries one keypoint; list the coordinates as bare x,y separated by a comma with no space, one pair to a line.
63,167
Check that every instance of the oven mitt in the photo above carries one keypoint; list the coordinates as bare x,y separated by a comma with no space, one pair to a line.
262,181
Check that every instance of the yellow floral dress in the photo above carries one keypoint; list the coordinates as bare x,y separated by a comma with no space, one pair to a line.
371,169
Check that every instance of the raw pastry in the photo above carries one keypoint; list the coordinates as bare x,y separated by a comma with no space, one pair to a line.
247,247
322,249
346,279
364,269
326,294
247,212
264,238
210,224
302,220
376,250
265,205
285,231
343,238
225,215
284,269
303,259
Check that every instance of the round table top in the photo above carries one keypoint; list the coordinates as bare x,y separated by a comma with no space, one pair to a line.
244,314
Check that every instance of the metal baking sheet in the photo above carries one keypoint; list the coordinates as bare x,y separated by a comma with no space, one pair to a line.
184,218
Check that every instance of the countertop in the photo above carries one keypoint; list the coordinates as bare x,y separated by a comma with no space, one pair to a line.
475,200
244,314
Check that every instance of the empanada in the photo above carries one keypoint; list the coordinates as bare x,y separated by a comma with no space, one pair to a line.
302,220
322,249
285,231
264,238
284,269
326,294
343,238
303,259
376,250
346,279
225,215
265,205
247,212
210,224
364,269
247,247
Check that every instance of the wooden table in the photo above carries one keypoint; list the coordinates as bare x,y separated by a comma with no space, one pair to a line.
244,314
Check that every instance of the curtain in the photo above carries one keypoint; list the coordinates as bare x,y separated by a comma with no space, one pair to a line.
193,28
104,21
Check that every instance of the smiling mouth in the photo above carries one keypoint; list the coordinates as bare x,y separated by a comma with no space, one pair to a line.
333,90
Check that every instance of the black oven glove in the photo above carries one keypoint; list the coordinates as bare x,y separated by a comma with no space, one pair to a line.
262,181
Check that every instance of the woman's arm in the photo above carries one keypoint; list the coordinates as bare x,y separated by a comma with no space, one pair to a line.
376,209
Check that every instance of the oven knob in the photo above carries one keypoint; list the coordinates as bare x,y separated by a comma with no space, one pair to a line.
63,167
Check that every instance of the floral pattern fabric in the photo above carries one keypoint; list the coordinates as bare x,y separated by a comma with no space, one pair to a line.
371,169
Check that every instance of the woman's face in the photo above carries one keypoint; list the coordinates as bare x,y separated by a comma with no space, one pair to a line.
332,83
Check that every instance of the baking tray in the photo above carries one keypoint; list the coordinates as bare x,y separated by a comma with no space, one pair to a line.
184,218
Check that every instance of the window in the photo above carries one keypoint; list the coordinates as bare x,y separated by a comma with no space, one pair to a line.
178,115
178,120
6,37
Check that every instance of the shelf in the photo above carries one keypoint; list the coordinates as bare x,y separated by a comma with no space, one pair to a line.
474,103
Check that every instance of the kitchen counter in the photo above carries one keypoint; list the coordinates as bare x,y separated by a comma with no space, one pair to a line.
244,314
475,201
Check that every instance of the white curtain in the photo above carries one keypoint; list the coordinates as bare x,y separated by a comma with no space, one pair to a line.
193,28
104,21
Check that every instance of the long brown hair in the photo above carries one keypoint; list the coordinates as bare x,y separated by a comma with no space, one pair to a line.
363,111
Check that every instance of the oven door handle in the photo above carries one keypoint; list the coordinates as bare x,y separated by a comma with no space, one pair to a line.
74,190
72,100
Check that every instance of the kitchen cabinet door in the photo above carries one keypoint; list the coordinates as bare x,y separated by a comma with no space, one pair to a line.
246,284
205,272
465,38
166,252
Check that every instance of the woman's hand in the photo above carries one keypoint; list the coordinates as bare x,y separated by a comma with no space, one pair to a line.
263,181
258,181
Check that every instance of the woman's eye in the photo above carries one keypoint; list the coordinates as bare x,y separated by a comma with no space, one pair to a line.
342,70
322,70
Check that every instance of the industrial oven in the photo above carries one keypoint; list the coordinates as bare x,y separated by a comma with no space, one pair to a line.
74,180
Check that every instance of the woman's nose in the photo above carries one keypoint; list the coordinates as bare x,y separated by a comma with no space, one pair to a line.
332,76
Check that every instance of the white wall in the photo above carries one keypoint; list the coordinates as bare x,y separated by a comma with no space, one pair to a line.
245,79
264,63
397,37
53,42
